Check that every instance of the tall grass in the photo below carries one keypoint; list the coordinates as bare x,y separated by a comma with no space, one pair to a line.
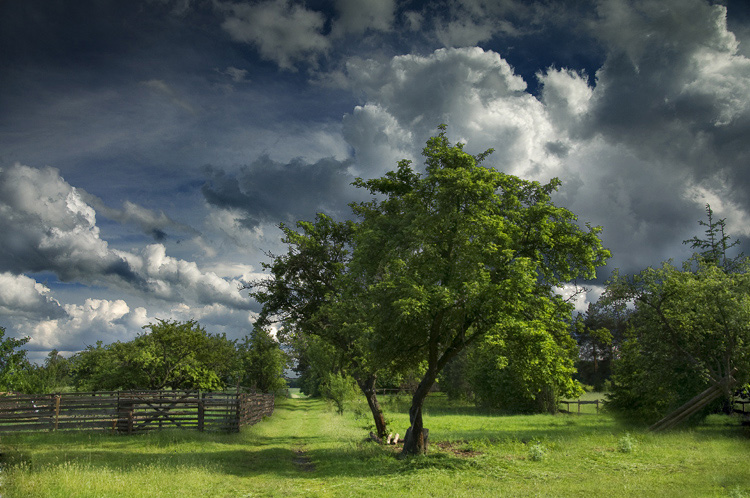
307,450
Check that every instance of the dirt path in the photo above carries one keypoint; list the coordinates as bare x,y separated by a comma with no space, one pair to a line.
300,425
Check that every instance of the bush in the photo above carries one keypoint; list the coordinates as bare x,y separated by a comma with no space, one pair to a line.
626,444
537,452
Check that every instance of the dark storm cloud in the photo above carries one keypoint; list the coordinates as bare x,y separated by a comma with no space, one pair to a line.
270,192
152,223
673,95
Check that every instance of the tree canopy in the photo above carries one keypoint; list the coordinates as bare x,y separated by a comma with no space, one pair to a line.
177,355
13,361
262,362
461,253
317,301
689,329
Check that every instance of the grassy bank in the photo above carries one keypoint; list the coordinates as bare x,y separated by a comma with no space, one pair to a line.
307,450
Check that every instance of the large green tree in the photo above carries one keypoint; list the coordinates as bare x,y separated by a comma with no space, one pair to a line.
457,254
689,328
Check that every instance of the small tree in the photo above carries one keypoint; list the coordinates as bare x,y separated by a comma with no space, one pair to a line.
529,368
713,248
339,389
13,362
262,362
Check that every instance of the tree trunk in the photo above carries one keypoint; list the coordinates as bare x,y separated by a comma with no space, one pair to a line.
368,389
415,442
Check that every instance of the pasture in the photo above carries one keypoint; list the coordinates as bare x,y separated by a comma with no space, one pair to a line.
305,449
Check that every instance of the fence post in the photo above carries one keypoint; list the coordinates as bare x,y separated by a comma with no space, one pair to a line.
201,411
57,410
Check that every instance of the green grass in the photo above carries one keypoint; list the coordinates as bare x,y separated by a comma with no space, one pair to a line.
307,450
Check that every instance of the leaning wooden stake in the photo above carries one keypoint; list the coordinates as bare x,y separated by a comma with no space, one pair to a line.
695,404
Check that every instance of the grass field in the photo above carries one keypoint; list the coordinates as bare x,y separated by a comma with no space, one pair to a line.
307,450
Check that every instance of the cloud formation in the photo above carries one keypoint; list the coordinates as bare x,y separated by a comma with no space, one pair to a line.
47,226
21,296
356,17
283,32
659,134
153,224
641,107
475,92
269,192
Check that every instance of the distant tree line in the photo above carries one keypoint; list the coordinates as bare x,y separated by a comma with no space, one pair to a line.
167,355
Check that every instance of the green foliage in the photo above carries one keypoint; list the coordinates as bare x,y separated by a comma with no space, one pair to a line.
318,302
689,329
527,370
713,248
454,380
339,389
177,355
462,252
314,360
600,333
537,452
13,362
262,362
52,376
626,444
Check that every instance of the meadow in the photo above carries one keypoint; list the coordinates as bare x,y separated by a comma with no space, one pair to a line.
305,449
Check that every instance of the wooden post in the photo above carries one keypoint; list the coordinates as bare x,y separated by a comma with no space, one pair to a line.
201,411
57,410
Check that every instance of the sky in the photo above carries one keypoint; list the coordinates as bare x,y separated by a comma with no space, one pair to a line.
150,148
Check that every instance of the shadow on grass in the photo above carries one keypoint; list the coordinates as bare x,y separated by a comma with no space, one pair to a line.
366,462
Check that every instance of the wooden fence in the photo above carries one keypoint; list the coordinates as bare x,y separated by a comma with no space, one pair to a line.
133,411
579,403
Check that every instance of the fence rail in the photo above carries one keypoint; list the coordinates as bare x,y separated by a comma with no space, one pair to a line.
133,411
579,403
